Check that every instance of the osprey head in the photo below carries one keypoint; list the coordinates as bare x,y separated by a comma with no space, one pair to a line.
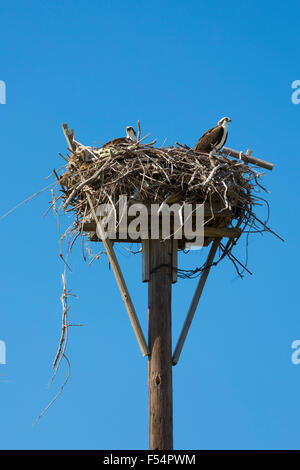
130,133
224,120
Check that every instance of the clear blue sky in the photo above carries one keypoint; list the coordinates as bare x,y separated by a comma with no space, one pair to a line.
178,67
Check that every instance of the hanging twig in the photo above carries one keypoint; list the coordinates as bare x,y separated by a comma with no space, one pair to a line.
62,345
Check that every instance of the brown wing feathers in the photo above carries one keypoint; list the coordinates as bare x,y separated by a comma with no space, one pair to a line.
209,140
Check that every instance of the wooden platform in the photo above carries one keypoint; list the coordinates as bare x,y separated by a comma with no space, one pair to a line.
218,225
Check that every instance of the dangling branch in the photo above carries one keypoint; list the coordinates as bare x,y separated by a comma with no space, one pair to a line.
62,345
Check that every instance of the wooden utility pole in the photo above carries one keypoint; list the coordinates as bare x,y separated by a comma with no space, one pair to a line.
160,346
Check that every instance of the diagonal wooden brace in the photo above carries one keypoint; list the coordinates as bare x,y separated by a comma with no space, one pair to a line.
114,264
195,301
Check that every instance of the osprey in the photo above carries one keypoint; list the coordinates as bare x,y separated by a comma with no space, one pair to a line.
130,133
214,138
129,139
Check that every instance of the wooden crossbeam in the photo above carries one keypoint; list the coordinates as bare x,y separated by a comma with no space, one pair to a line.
227,232
247,158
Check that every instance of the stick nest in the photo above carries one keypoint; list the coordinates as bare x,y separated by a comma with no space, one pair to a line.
148,174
